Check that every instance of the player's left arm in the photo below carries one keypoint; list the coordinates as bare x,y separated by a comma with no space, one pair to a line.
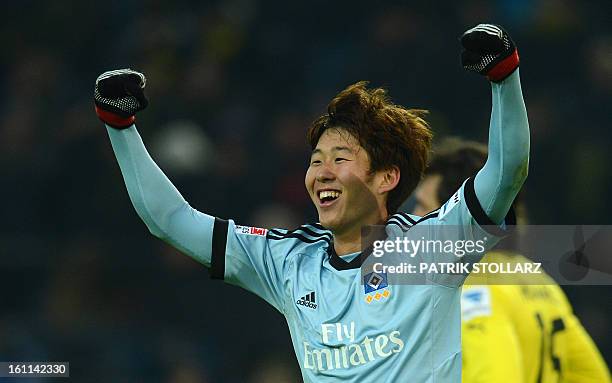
489,50
477,211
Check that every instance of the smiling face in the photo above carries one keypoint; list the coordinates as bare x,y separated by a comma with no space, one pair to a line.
346,194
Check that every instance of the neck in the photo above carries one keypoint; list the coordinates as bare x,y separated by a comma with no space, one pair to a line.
349,241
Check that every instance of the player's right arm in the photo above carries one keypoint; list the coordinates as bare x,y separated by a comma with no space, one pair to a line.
244,260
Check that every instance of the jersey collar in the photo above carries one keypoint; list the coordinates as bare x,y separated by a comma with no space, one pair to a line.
403,220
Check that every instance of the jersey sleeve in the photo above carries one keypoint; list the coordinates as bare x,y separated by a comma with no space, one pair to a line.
245,256
465,212
490,346
479,213
485,200
503,174
582,362
158,203
461,233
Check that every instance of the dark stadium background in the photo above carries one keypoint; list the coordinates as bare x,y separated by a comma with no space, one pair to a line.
233,86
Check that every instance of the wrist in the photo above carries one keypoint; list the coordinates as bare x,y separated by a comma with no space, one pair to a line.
504,68
114,120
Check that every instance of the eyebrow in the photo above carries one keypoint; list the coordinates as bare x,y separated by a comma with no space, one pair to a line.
334,149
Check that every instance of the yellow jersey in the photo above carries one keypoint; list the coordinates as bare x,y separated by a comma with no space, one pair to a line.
524,333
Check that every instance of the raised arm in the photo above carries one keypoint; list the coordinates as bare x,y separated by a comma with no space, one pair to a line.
499,181
490,52
118,96
158,203
238,254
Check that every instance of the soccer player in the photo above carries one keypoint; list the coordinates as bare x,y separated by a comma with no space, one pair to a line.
367,157
510,333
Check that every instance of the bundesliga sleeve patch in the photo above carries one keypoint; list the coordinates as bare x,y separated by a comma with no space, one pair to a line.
475,302
248,230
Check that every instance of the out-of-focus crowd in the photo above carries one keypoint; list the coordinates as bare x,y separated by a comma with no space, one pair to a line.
233,85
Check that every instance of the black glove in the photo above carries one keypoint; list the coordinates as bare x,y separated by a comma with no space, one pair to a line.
489,50
118,95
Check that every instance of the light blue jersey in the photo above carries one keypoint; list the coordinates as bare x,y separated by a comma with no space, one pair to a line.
348,324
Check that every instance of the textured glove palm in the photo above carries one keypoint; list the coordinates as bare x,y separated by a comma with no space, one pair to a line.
489,50
118,95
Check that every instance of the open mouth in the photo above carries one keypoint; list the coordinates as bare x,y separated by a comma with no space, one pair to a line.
328,197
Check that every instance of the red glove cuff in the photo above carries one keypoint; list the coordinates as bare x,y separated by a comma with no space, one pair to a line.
113,120
504,68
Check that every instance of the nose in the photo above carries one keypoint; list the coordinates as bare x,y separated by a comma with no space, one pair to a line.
325,174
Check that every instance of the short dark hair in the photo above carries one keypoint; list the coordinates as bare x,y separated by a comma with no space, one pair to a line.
455,160
390,134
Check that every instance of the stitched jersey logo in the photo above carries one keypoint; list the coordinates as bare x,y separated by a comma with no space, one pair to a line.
376,287
308,300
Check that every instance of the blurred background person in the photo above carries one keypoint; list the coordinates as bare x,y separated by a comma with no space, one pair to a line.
522,332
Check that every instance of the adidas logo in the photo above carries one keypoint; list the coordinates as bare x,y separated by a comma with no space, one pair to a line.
308,300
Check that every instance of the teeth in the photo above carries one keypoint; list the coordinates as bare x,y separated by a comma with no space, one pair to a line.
328,194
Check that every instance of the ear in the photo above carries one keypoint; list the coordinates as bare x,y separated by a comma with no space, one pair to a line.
390,179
